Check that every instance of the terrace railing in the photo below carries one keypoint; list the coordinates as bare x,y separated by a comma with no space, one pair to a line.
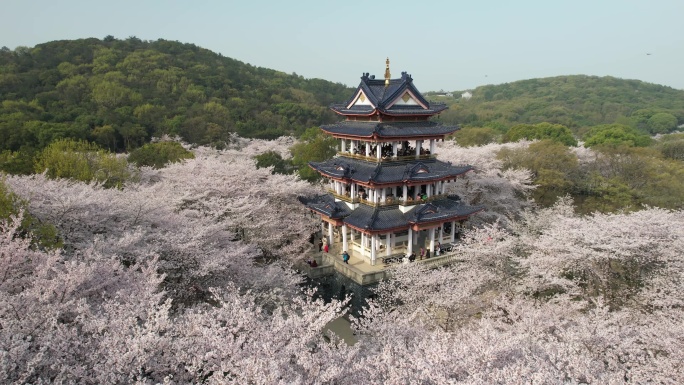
387,159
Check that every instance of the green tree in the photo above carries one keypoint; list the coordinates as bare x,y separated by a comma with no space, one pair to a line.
615,135
272,158
651,179
82,161
315,147
158,155
662,123
541,131
11,206
554,168
105,136
475,136
602,194
671,146
18,162
110,95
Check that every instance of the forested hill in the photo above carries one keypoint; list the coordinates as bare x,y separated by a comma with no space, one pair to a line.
574,101
119,93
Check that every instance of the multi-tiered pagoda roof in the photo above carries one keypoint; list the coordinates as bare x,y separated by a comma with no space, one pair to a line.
386,181
389,97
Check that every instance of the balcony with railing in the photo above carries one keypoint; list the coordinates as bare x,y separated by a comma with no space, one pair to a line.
344,197
389,201
406,158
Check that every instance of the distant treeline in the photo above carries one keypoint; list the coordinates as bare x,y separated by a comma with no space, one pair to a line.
120,93
577,102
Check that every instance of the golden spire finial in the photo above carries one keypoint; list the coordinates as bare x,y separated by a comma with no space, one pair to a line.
387,72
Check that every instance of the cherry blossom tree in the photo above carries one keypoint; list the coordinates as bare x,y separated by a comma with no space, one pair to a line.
163,281
505,194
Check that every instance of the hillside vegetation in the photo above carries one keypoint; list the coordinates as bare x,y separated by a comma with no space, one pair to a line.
574,101
120,93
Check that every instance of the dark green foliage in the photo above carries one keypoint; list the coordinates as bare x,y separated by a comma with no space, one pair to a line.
662,123
573,101
555,132
475,136
615,135
552,164
672,146
272,158
120,93
158,155
314,147
17,162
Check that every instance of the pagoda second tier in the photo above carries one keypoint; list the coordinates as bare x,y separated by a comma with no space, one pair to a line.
388,131
382,219
389,173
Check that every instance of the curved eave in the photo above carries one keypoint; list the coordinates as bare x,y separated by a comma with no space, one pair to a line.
391,132
335,176
347,112
371,183
409,113
322,213
378,231
378,138
446,218
347,136
385,174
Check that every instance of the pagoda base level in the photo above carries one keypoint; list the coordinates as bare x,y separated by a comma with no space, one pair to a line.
360,271
356,270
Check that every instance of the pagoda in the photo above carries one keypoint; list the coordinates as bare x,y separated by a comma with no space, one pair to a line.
387,191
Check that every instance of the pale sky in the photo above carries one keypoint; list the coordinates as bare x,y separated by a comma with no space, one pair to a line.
450,45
